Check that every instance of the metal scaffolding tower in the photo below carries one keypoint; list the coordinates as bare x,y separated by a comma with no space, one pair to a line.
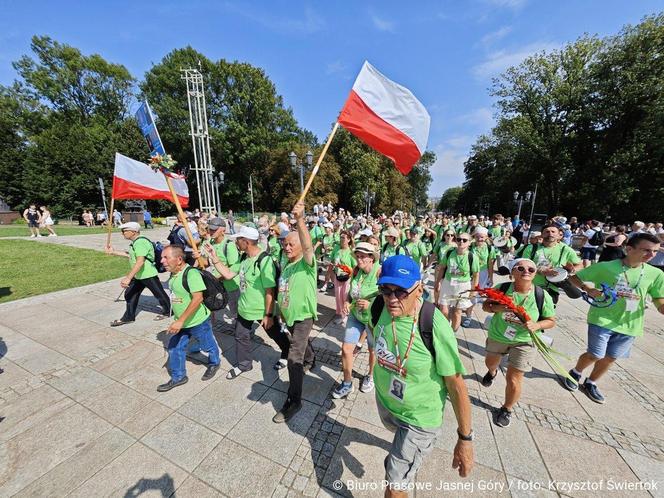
208,192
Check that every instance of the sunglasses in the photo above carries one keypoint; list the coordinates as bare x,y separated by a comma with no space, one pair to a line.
398,293
461,239
449,235
522,269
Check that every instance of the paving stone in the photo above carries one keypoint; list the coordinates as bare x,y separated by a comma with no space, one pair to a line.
316,386
128,360
145,419
231,469
116,402
74,471
195,487
137,471
181,440
81,382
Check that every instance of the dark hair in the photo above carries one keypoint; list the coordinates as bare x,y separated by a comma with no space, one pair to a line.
638,237
621,229
349,236
552,225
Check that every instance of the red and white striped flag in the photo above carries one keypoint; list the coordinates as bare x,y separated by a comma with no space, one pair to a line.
387,117
136,180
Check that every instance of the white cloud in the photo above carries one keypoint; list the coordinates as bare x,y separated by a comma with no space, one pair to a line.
481,119
494,36
447,171
382,24
310,22
511,4
335,67
498,61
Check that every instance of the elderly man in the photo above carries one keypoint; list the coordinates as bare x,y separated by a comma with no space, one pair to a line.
227,253
297,305
418,367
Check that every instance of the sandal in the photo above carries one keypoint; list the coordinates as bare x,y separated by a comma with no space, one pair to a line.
233,373
117,323
160,317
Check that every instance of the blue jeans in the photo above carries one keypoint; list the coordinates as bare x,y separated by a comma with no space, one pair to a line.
354,329
177,348
604,342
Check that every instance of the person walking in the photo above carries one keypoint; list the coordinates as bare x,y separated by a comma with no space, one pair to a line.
192,319
343,262
47,221
142,273
33,218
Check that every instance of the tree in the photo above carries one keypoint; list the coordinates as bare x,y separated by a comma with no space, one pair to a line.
449,200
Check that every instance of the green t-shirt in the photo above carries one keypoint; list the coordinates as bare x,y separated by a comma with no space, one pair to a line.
364,286
329,243
390,250
316,234
141,246
496,231
549,257
423,398
343,257
253,282
297,292
180,298
626,315
507,328
416,250
484,253
231,259
458,266
273,246
442,249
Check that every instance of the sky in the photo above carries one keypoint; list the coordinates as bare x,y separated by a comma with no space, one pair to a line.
445,52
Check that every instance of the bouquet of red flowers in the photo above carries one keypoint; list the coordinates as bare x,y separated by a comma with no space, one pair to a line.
344,268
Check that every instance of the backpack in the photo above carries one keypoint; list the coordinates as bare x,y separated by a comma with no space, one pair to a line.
539,296
470,260
425,320
257,266
173,235
215,296
597,239
158,248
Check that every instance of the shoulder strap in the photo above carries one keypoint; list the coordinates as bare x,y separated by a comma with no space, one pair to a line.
426,326
539,300
376,309
185,283
504,287
151,243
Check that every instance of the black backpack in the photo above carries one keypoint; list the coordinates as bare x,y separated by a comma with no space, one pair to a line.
257,266
215,296
158,248
425,320
173,235
597,239
539,296
470,260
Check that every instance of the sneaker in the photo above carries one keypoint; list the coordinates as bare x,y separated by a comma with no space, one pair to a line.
568,384
39,235
32,236
358,348
593,392
342,390
171,384
287,412
210,372
309,366
367,384
281,363
487,380
465,323
503,417
330,286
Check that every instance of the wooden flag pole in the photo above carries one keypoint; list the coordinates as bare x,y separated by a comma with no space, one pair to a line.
109,220
183,219
320,160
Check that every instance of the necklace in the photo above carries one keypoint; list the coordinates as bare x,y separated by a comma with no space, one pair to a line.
400,366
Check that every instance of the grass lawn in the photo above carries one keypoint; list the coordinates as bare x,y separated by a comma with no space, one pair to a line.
30,269
24,231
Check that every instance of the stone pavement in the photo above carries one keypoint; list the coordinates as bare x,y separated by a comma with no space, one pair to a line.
80,415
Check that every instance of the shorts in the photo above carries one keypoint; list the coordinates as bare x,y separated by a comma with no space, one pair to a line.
33,224
589,253
354,329
604,342
447,291
518,354
409,447
482,282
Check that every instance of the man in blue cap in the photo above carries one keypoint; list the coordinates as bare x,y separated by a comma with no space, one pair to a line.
418,366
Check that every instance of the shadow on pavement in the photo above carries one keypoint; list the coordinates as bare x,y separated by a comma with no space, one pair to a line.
164,484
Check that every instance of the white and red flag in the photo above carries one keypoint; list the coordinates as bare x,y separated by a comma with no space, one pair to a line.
136,180
387,117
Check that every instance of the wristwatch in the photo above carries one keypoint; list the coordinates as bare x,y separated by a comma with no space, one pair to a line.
469,437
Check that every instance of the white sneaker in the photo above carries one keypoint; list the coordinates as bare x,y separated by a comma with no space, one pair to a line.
32,236
53,235
342,390
39,235
367,384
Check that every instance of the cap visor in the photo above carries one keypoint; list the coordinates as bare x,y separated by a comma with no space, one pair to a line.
404,283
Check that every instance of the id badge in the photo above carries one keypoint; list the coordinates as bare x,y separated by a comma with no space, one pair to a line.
243,282
355,293
631,305
454,282
510,333
397,388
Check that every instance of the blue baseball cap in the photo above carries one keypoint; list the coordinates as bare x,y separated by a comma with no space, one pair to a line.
399,270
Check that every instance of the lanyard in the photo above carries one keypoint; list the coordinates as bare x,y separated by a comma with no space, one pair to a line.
401,365
638,281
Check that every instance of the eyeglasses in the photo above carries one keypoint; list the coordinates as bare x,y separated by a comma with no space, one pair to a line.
398,293
363,255
461,239
522,269
449,235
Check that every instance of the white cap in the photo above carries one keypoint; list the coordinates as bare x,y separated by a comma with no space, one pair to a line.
366,231
480,231
328,225
245,232
131,225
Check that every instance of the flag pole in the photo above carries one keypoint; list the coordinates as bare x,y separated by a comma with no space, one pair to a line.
109,220
318,162
183,219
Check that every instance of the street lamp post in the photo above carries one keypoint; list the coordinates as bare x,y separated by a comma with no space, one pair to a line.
520,199
309,160
218,182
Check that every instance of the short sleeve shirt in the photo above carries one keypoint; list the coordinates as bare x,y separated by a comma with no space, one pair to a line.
297,296
459,267
253,282
143,247
506,327
364,286
631,284
180,298
550,257
229,256
484,253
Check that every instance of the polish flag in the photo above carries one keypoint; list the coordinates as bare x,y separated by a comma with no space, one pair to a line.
136,180
387,117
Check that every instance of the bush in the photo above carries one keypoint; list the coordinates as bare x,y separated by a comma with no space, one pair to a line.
158,221
19,221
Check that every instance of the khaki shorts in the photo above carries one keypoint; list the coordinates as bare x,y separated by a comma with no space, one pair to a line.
447,291
518,354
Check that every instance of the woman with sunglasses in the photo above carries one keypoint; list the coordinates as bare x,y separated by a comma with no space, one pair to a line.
363,291
456,274
342,257
508,335
445,244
